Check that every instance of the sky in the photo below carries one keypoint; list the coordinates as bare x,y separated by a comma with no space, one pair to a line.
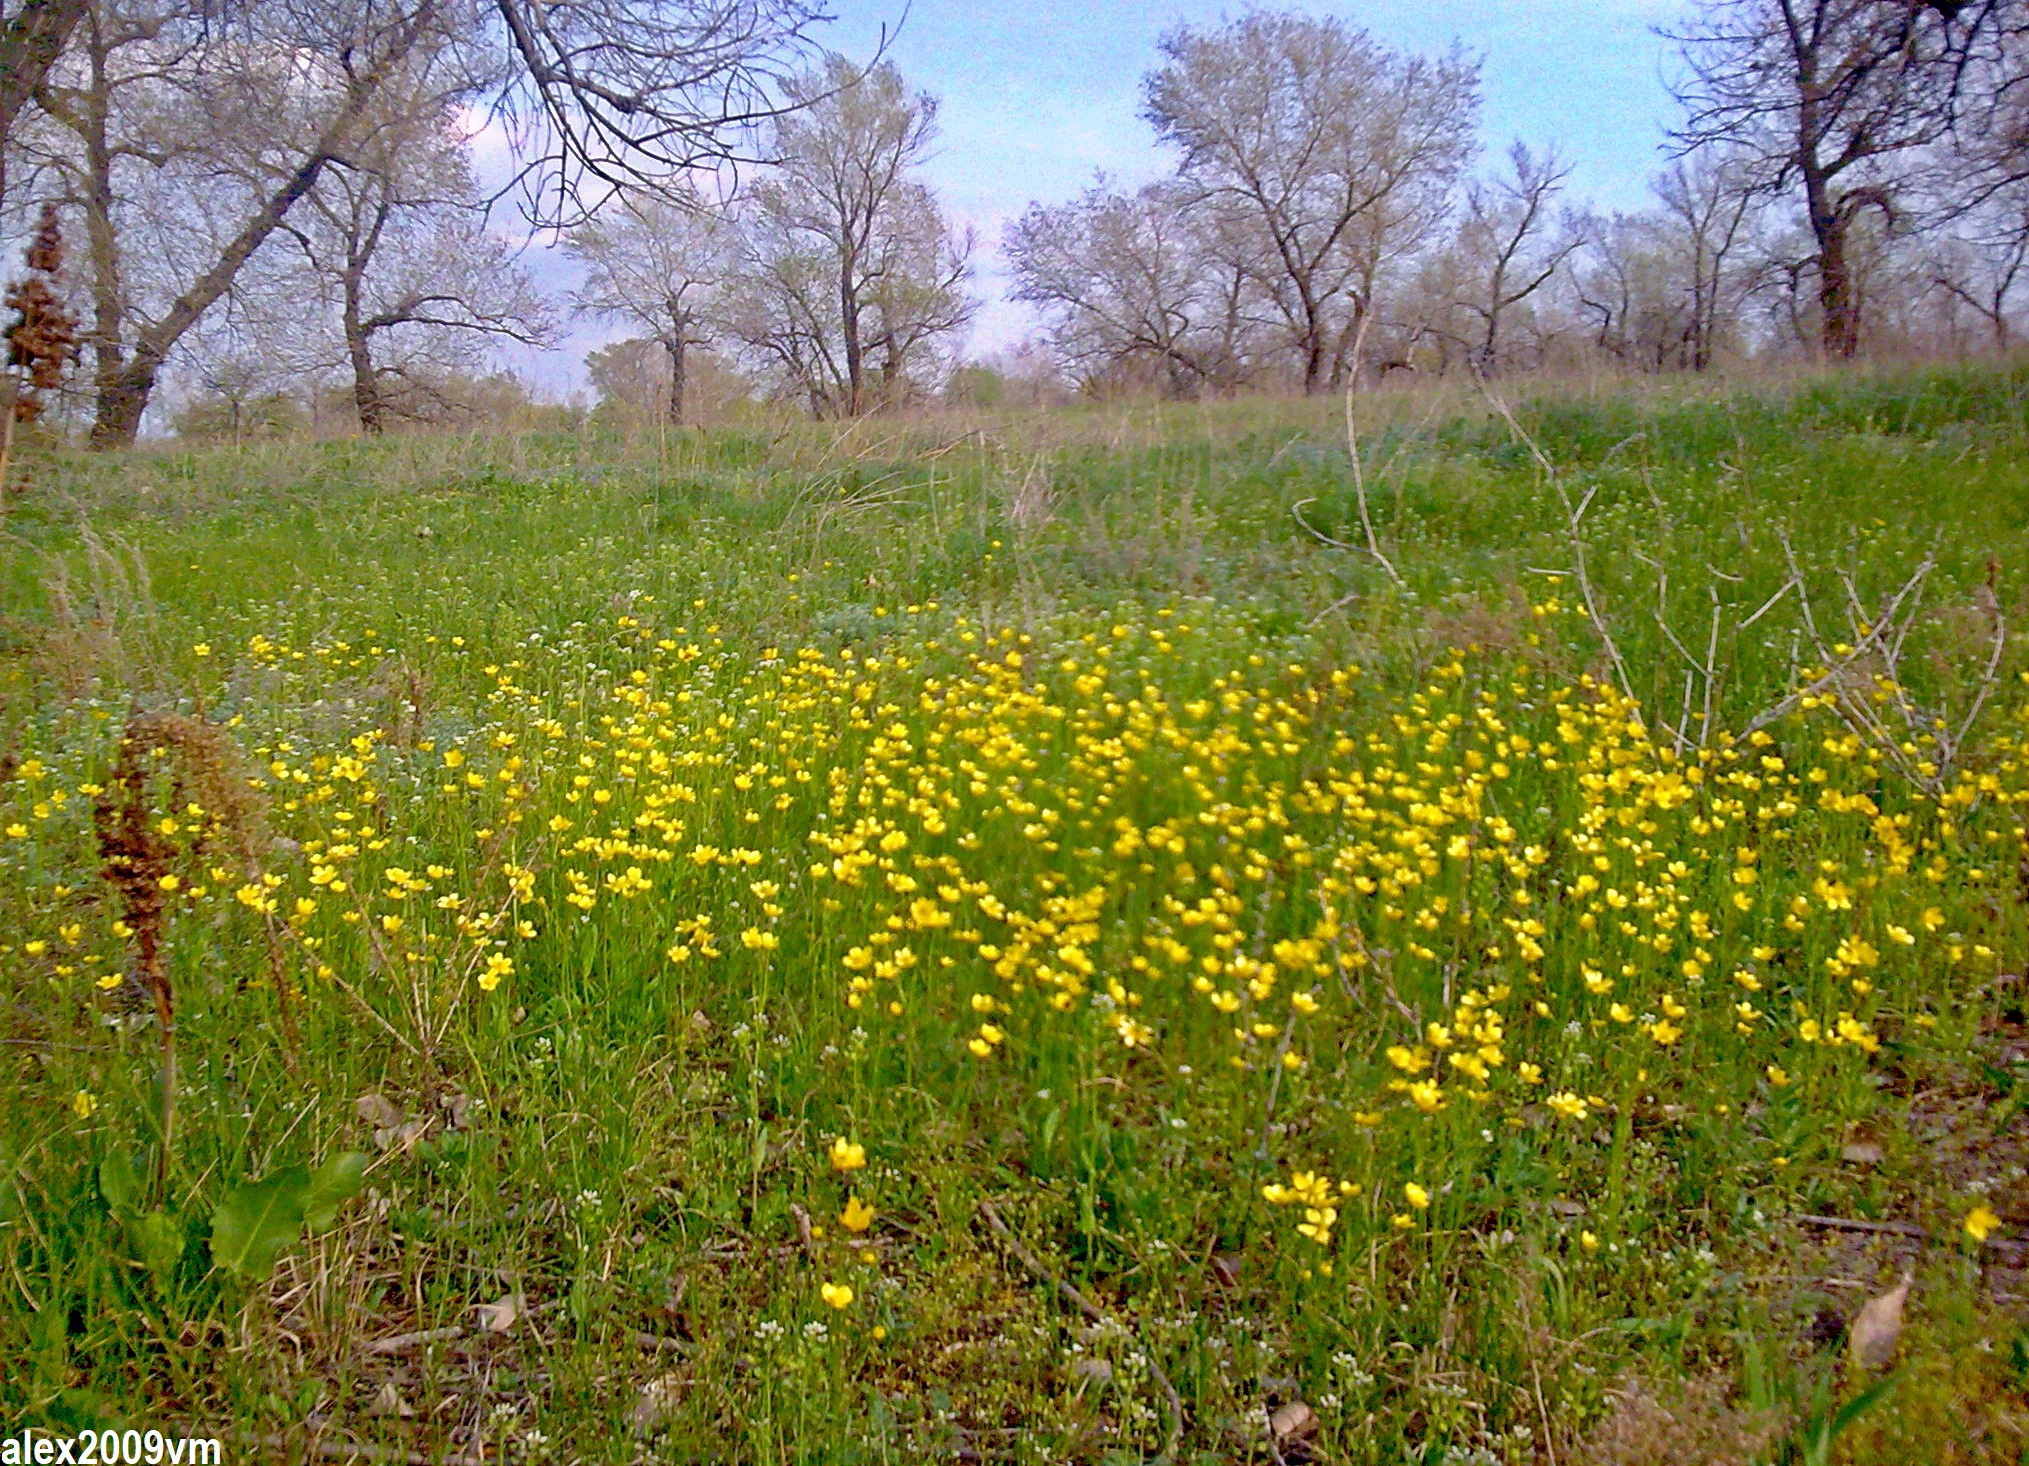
1036,96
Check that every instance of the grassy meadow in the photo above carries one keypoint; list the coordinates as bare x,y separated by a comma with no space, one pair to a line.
1126,934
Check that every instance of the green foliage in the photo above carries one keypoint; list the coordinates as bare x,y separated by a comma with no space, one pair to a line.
257,1219
436,655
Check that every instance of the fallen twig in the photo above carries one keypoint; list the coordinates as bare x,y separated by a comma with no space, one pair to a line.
657,1343
1855,1224
2001,1245
396,1343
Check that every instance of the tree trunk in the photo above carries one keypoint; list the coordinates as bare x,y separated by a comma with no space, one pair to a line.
366,398
1837,307
123,400
679,375
855,350
1314,352
29,46
102,242
1838,325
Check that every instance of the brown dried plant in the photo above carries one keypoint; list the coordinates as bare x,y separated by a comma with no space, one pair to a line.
175,777
42,339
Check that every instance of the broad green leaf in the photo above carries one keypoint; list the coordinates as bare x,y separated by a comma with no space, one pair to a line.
257,1220
119,1184
332,1185
158,1239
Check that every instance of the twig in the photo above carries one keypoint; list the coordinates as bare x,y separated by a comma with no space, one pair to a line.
1769,604
1275,1087
1359,476
396,1343
1991,676
1092,1311
1543,1410
1875,637
657,1343
1854,1224
1574,517
1711,667
2001,1245
1296,513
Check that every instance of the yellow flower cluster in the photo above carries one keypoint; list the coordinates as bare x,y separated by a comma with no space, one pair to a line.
1491,900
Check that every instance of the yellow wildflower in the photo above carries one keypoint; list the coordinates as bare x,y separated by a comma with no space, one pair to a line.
1981,1222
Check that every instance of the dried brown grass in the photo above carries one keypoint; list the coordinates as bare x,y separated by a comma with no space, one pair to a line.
1685,1422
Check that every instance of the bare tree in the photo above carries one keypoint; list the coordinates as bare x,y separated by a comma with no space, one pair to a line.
1513,244
1712,208
850,277
631,380
396,242
105,107
1824,100
1982,264
592,93
31,41
656,262
1629,284
1132,284
1336,151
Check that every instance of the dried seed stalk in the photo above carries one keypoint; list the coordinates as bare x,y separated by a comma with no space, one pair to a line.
167,764
42,339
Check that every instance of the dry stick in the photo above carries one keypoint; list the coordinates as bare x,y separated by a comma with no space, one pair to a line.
6,453
1904,1229
1543,1410
1092,1311
1359,475
1891,656
1711,668
1573,519
1849,1224
1888,635
1769,604
1680,732
396,1343
1872,639
1991,676
1275,1087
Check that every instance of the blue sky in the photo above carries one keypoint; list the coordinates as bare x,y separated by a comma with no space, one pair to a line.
1037,95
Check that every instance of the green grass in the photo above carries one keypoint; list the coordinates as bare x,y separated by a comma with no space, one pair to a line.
597,788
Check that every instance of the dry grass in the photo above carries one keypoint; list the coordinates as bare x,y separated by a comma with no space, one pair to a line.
1686,1422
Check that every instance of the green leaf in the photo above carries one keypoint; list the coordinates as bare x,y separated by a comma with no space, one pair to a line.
257,1220
119,1184
1861,1403
158,1239
332,1185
